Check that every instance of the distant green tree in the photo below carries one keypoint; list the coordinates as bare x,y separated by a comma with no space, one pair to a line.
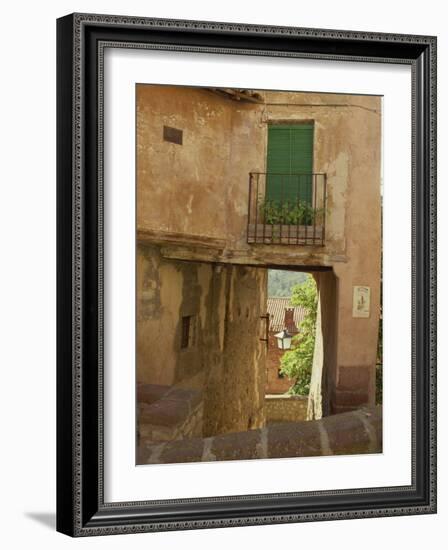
297,363
281,282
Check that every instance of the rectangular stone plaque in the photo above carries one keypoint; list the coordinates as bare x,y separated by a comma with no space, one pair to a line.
361,301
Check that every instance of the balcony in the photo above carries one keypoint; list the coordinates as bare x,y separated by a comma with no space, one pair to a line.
287,209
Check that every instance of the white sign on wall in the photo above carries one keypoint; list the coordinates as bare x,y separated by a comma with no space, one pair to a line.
361,301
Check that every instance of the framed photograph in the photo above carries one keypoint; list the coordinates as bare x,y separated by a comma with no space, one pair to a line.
246,274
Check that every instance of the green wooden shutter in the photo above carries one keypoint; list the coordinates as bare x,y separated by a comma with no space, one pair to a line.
290,162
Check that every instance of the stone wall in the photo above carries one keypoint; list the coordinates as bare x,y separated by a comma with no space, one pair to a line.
356,432
285,408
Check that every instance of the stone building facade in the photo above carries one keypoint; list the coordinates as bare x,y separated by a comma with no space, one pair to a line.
201,282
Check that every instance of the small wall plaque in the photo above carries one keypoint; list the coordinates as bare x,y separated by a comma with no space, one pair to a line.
361,301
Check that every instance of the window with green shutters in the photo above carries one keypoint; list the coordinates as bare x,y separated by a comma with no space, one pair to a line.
290,163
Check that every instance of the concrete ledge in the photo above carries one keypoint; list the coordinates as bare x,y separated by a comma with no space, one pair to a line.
356,432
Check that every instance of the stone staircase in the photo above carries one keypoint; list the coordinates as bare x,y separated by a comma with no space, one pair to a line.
168,413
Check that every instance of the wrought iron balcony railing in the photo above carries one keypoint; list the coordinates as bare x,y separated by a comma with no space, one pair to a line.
286,209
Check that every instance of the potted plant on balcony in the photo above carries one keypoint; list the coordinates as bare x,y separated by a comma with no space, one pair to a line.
276,214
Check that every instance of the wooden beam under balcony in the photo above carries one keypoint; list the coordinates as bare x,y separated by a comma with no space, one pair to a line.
160,236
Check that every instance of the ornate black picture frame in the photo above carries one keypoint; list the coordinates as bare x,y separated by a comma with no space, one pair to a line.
81,509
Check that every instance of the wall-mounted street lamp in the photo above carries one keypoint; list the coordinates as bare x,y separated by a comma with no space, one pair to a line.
284,339
266,338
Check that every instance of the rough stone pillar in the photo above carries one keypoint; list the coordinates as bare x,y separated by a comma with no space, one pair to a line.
323,378
314,411
234,393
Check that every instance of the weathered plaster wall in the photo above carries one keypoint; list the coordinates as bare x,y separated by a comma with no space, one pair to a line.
226,362
193,199
167,291
198,188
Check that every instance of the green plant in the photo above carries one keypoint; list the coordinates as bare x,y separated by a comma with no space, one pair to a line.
297,363
288,212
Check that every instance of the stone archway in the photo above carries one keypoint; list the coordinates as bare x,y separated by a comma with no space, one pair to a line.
324,368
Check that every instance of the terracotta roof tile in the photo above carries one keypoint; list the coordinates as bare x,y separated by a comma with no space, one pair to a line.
276,310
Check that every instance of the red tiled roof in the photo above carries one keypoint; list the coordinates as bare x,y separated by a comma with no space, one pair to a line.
276,310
